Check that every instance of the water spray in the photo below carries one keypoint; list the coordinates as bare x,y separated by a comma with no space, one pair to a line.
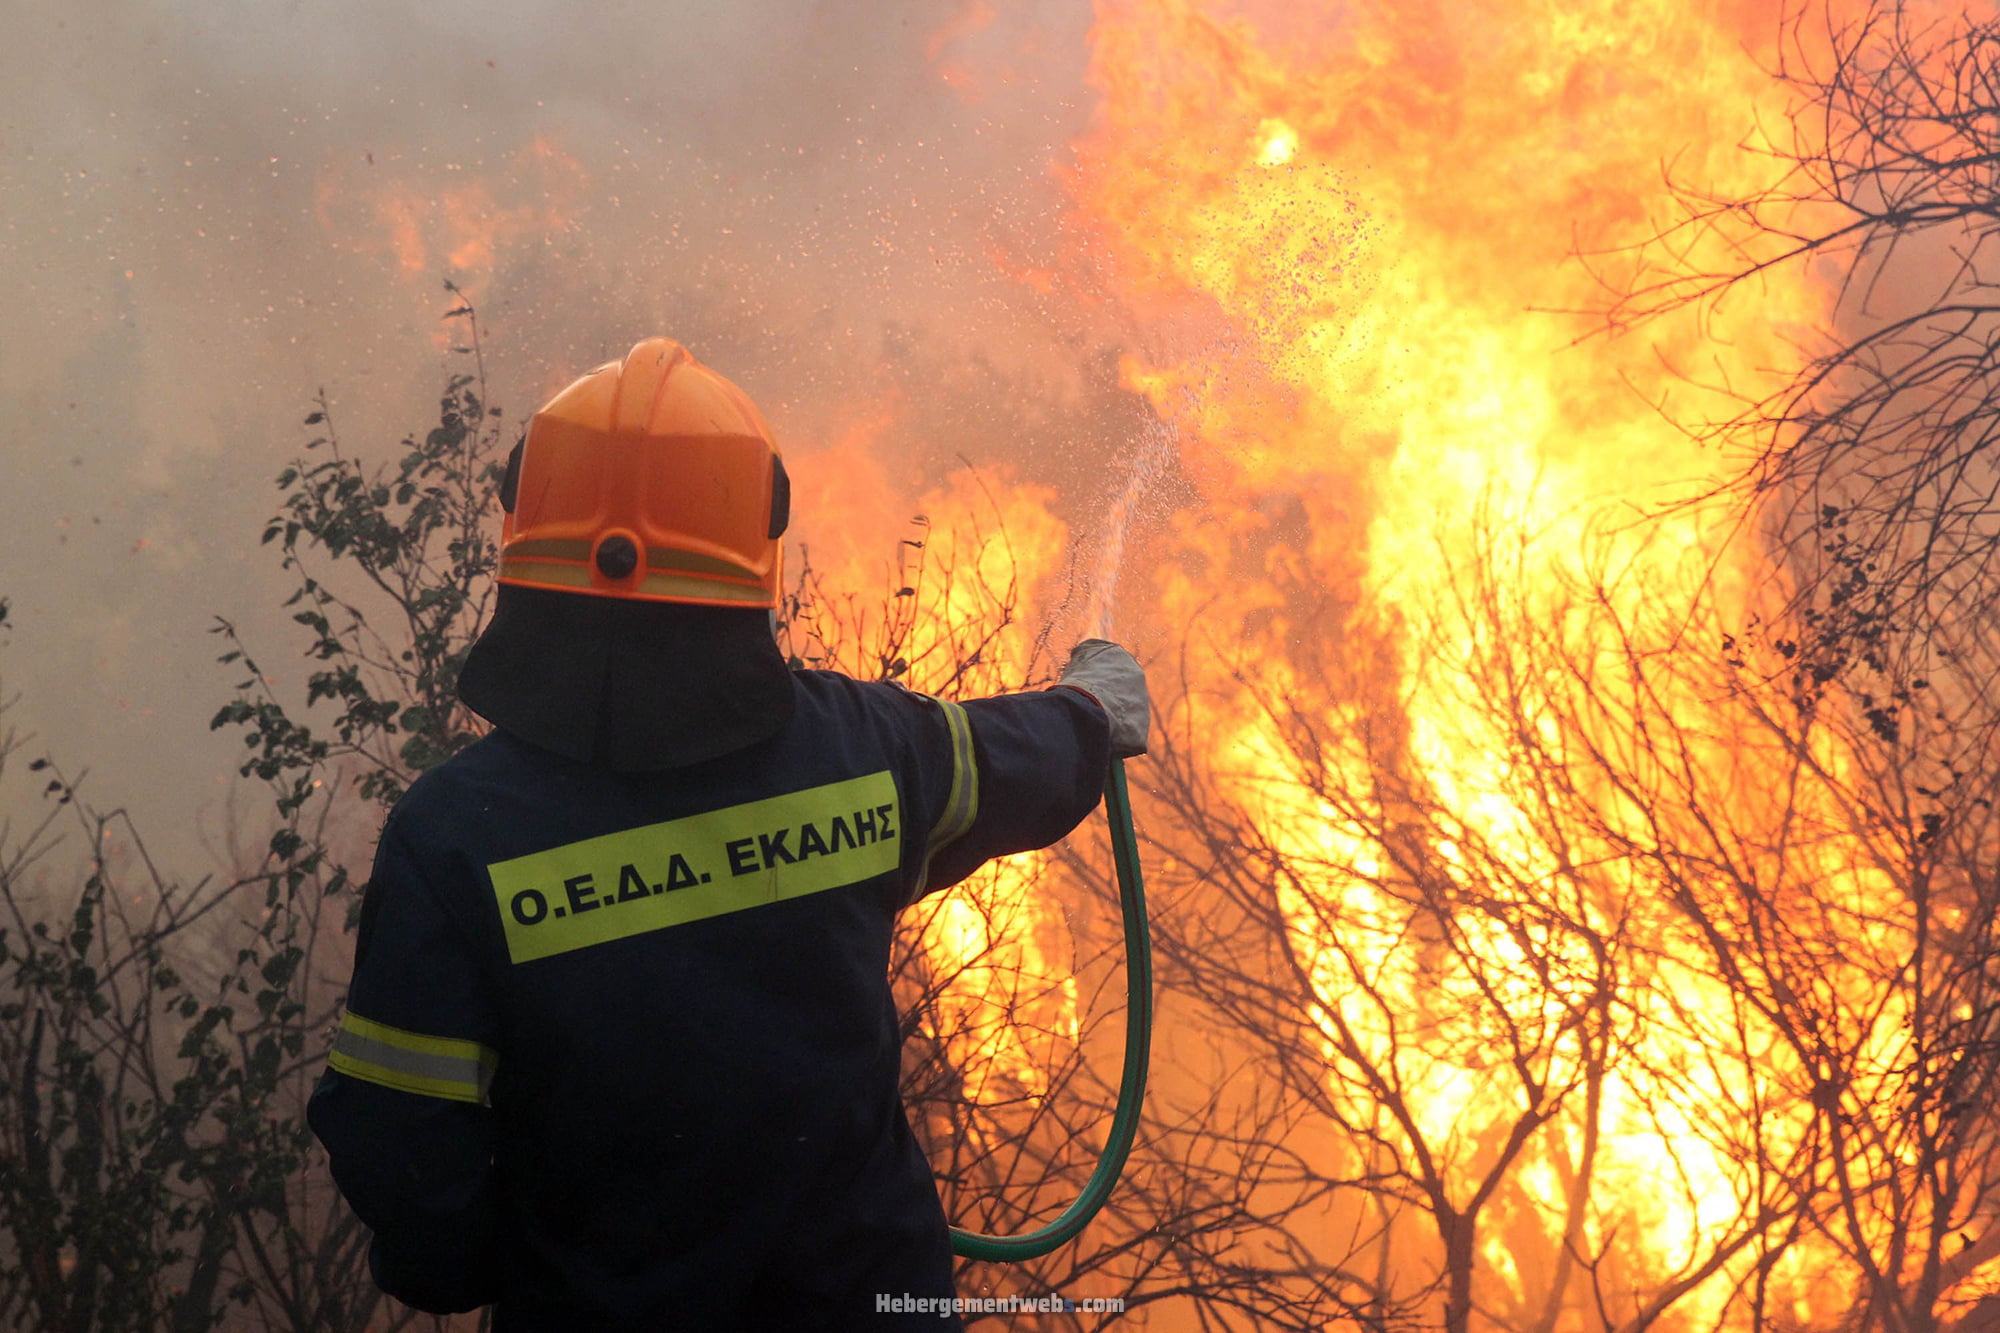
1155,457
1147,468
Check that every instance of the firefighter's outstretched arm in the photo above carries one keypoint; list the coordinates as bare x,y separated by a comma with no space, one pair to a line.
403,1108
1031,766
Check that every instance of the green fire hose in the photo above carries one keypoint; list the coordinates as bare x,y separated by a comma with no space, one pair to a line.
1138,1041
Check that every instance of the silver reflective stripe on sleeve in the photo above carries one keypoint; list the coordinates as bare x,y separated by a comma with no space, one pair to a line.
447,1067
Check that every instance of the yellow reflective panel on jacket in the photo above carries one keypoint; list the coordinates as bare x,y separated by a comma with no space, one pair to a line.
668,874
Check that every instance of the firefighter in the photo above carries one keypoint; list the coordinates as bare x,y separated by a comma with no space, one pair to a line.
620,1051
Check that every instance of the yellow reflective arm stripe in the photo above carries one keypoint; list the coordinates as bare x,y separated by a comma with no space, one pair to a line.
961,804
446,1067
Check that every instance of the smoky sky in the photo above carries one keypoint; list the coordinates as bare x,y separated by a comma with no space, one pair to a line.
213,210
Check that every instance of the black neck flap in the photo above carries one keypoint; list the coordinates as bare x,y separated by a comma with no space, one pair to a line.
627,685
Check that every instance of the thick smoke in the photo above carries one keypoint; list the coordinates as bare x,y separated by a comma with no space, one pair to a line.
213,210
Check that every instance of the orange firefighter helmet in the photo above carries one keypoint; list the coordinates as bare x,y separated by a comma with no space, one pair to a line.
653,479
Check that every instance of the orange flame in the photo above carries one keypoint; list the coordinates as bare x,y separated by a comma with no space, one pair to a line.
1353,234
460,229
1414,468
961,593
974,18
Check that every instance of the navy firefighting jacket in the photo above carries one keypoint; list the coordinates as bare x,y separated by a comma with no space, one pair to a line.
620,1050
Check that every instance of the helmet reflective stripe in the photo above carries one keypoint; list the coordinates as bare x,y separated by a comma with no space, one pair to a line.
553,548
676,587
540,549
446,1067
688,588
693,562
546,573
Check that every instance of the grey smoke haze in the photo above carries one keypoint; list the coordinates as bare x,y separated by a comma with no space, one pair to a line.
201,208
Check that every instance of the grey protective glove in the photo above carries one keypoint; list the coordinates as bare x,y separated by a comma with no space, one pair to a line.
1114,678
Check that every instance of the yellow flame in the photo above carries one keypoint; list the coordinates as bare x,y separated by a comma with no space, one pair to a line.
1394,420
1278,143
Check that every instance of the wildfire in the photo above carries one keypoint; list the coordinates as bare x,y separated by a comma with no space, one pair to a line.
1442,639
1466,618
962,614
404,214
1280,143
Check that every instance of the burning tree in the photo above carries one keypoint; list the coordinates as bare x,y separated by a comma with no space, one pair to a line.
1572,829
1600,943
1872,473
1640,1028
